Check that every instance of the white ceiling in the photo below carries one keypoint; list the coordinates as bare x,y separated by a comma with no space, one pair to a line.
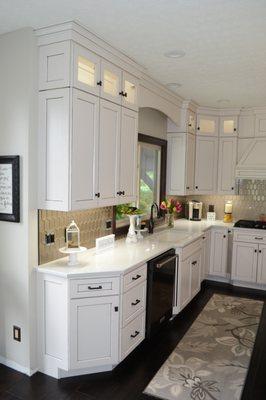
224,40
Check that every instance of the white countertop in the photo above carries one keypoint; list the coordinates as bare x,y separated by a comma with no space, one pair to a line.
124,257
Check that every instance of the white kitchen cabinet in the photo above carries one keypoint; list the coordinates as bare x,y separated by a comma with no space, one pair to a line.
206,249
228,126
86,70
109,143
261,274
260,124
218,258
94,332
244,261
195,266
191,122
54,65
227,165
206,165
130,85
184,284
180,163
111,78
207,125
246,126
128,156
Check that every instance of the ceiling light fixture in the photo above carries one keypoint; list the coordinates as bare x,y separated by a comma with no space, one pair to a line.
175,54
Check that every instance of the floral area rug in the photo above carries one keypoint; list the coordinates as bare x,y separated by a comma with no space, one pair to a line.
212,359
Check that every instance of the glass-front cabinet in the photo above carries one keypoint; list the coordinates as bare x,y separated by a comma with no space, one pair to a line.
86,70
111,82
207,125
228,126
130,91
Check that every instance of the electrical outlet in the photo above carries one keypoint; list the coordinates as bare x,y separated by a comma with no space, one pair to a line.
17,333
108,224
49,238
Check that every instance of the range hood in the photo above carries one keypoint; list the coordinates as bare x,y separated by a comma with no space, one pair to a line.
252,164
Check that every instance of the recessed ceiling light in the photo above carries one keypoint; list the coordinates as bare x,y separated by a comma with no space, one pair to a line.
173,85
175,54
223,101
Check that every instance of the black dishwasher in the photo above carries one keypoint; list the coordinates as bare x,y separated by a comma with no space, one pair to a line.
161,290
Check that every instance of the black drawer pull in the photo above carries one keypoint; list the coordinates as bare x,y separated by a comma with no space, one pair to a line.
134,278
136,302
194,262
259,238
135,334
95,287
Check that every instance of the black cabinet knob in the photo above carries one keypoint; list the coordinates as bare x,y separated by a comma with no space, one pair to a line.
121,93
125,94
198,128
259,251
119,193
255,251
187,187
196,187
123,192
189,125
99,83
232,188
224,236
234,129
97,194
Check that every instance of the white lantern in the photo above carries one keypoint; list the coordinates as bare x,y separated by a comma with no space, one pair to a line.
73,236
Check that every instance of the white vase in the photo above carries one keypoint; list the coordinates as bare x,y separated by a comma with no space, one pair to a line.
131,236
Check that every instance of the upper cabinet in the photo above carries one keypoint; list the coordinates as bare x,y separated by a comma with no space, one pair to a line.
228,126
206,165
246,125
207,125
191,121
68,64
260,124
227,165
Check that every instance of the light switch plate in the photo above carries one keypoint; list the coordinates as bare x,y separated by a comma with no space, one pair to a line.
105,242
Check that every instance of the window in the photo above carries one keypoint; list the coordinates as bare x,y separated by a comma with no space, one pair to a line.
151,178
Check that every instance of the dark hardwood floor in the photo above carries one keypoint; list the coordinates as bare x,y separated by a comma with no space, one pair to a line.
130,378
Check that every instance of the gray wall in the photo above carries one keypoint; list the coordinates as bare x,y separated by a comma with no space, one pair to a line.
152,122
18,241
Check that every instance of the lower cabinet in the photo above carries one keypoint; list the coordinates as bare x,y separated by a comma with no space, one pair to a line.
206,248
249,262
189,278
94,331
218,258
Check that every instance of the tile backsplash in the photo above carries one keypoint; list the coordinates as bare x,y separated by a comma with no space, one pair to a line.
249,204
90,222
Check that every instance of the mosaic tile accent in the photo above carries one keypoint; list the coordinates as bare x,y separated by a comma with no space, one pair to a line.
90,222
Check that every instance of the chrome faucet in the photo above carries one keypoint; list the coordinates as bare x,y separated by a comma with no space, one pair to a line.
151,220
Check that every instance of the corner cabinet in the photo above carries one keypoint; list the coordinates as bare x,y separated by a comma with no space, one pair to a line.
180,163
206,165
88,151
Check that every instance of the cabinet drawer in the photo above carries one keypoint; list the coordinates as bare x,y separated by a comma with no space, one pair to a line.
134,302
94,287
188,250
249,237
135,277
132,335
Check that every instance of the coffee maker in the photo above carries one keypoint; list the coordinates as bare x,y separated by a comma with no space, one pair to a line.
194,210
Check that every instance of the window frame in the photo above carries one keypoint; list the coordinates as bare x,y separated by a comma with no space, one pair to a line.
163,144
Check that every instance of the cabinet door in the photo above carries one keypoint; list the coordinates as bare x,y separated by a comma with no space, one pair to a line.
195,265
109,142
53,146
261,276
206,165
260,125
227,165
191,122
86,70
184,284
84,150
219,245
94,332
176,161
206,249
244,261
111,88
228,126
207,125
190,163
246,126
128,155
130,91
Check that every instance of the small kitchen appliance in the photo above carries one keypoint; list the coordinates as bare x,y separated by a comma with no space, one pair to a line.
194,210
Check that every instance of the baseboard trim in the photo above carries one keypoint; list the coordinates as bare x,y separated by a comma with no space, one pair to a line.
18,367
235,287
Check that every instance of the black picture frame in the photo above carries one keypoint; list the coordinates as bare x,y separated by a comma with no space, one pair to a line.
13,216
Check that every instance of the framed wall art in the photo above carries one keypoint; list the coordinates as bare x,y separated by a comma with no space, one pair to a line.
9,189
